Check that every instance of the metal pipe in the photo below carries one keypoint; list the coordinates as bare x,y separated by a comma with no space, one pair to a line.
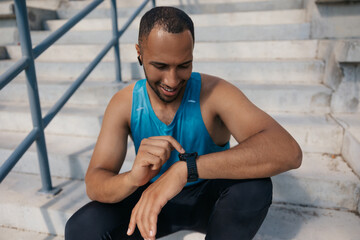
6,167
13,71
76,84
116,45
52,38
33,94
131,19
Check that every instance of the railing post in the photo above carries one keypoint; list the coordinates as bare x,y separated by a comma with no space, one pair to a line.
116,39
26,48
154,3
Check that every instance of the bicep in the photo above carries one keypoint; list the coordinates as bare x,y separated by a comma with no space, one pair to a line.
241,117
110,149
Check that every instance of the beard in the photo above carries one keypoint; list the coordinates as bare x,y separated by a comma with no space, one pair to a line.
153,86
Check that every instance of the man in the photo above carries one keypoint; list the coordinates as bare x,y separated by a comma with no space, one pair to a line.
221,191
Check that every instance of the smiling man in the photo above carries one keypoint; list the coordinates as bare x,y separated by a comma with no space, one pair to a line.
185,175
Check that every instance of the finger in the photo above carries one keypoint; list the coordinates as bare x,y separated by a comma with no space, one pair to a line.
132,223
160,148
140,219
152,161
175,144
153,225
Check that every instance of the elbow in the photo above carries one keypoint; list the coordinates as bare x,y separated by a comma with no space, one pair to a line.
297,155
89,191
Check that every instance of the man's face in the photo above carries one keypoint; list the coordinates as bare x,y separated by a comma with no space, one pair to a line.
167,59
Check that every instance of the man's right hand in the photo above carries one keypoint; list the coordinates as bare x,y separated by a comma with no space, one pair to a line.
152,154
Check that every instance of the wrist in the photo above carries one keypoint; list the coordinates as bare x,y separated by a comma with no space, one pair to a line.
130,181
181,171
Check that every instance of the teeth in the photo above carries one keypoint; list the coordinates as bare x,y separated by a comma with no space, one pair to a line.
168,89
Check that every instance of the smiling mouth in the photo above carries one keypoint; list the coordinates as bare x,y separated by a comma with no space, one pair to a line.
168,89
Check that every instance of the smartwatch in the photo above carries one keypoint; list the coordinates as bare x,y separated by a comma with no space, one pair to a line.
190,159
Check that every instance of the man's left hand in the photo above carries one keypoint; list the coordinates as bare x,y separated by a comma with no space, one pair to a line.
146,211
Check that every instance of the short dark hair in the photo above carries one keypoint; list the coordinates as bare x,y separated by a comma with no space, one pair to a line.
169,19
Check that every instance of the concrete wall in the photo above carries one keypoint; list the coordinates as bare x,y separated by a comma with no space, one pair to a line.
331,19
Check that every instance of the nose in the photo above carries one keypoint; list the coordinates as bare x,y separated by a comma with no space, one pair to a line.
171,78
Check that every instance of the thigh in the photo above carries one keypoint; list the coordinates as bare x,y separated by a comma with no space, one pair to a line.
98,220
240,209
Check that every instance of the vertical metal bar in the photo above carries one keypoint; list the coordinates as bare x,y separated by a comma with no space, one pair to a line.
154,3
116,44
33,93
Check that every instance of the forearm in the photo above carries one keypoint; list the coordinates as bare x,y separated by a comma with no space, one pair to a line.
105,186
265,154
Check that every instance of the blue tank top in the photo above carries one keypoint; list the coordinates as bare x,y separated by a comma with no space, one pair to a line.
187,127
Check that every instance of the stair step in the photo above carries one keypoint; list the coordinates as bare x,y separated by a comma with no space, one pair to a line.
203,34
80,4
321,181
315,133
204,51
69,156
200,20
70,9
293,222
246,70
288,98
304,98
351,146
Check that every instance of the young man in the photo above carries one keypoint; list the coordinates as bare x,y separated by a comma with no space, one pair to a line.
221,191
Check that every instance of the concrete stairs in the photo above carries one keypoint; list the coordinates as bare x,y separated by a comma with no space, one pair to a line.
262,47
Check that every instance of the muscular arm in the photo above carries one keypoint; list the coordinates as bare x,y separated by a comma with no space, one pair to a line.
264,148
103,183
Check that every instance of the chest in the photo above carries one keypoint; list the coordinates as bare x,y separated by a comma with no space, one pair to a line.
200,117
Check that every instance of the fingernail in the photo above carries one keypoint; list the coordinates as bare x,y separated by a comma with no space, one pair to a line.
128,231
182,150
151,233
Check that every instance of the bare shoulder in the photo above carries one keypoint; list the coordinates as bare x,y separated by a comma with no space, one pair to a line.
119,106
217,90
227,102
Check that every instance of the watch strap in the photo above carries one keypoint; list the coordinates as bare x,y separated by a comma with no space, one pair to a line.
190,159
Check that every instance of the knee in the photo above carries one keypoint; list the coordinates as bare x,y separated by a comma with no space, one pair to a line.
249,195
72,227
81,223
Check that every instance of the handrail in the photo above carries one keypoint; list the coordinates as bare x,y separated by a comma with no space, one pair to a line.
27,64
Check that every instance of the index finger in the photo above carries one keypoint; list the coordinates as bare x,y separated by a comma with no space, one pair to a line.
175,144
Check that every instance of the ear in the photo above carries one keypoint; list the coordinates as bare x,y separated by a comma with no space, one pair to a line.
137,47
138,53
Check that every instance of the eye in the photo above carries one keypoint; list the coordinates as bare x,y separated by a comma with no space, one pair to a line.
184,66
160,66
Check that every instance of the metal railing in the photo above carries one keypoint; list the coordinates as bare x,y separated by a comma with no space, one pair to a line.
27,64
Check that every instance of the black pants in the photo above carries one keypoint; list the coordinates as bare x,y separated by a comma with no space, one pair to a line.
223,209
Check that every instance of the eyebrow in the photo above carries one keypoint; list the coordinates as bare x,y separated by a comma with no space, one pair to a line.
160,63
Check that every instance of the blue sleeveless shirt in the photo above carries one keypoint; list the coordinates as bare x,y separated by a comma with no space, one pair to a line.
187,127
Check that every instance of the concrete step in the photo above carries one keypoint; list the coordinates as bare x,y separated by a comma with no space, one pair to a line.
322,180
297,71
203,34
288,98
69,156
330,182
294,222
71,137
304,98
291,16
351,147
204,51
70,9
79,4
